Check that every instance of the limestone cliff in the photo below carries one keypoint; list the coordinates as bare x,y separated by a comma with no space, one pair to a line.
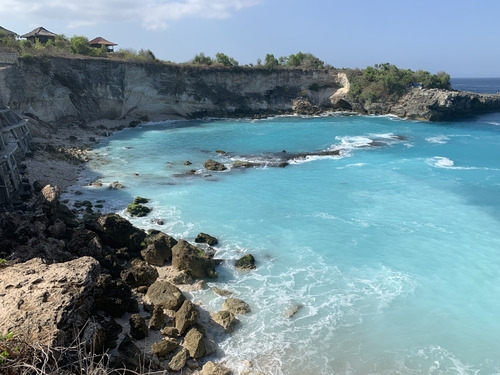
78,90
64,90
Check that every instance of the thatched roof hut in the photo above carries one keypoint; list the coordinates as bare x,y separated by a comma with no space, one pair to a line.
40,33
9,33
100,41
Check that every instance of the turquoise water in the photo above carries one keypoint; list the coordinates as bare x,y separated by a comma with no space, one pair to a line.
392,247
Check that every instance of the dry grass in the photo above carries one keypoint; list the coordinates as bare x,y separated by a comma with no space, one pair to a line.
18,357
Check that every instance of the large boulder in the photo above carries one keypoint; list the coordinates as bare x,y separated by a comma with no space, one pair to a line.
164,347
186,317
159,248
206,238
194,343
114,296
166,295
193,260
213,165
211,368
226,320
246,262
85,242
138,327
48,303
236,306
139,274
179,360
118,232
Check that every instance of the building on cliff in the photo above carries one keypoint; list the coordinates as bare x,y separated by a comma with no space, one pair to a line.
8,33
100,41
15,139
42,34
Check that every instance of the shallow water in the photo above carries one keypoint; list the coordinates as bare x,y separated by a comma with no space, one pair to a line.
391,247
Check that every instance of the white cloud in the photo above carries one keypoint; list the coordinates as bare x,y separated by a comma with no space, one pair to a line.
152,14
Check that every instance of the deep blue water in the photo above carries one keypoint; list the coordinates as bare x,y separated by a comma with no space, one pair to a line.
392,247
479,85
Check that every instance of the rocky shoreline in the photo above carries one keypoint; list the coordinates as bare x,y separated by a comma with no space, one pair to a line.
102,282
119,292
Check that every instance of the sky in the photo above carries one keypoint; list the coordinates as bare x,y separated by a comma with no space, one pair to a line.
456,36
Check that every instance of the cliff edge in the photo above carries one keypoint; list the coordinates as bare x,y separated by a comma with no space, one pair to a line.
71,91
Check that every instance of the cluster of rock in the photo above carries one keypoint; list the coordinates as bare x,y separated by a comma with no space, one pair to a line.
96,281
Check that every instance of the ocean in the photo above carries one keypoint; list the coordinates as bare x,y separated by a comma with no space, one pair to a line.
388,251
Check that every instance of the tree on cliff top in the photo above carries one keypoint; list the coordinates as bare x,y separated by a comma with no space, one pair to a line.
201,59
387,83
225,60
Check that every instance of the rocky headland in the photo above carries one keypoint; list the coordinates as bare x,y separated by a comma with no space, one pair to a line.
96,281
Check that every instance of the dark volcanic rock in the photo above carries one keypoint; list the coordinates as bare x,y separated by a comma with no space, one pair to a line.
193,260
138,327
246,262
118,232
139,274
213,165
206,238
114,297
159,248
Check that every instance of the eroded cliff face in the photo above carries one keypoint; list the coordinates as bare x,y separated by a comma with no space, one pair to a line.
78,90
62,90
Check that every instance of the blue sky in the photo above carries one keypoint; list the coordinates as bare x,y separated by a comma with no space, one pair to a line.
459,37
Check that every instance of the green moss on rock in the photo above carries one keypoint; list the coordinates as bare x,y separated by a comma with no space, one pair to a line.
138,210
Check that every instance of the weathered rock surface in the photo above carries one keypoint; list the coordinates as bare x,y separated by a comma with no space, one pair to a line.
246,262
211,368
443,105
138,327
236,306
158,318
73,90
113,296
118,232
45,302
179,360
194,343
213,165
226,320
206,238
193,260
186,317
163,347
166,295
159,248
139,274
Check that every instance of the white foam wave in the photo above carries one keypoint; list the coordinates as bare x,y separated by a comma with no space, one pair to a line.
439,139
434,359
441,162
353,165
310,158
333,302
446,163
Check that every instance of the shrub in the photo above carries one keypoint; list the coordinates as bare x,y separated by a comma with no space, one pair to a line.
80,45
386,82
201,59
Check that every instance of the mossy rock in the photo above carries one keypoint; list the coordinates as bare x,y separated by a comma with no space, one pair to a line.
138,210
140,200
246,262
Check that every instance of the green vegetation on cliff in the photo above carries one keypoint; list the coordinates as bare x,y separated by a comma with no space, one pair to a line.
387,83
